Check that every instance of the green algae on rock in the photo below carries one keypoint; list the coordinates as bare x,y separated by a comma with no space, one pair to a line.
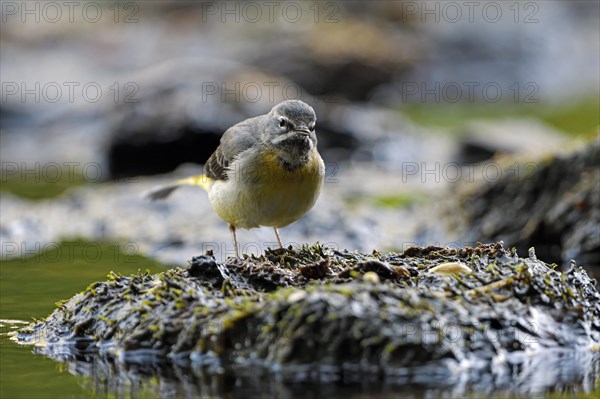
309,314
552,204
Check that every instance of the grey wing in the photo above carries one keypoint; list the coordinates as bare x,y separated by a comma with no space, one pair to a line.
235,140
217,164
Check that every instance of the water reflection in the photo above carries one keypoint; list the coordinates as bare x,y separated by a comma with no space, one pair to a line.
531,374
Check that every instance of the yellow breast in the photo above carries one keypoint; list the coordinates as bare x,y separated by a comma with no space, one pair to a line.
275,176
267,194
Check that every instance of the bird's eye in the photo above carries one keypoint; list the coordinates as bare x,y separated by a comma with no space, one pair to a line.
311,128
282,122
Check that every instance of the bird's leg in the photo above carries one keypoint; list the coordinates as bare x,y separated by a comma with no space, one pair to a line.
278,238
235,244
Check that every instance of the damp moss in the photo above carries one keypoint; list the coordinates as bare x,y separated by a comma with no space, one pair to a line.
280,316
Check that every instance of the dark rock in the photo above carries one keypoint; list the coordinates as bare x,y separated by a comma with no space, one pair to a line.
552,204
382,269
486,330
181,110
315,270
189,144
205,267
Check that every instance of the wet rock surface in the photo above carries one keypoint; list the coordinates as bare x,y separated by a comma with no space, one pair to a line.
317,314
552,204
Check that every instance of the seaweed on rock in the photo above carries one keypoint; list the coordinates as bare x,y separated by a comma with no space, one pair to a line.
313,313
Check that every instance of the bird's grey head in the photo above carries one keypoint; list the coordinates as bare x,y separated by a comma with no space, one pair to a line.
291,131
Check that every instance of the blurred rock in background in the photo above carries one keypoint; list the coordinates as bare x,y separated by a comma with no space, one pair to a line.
550,204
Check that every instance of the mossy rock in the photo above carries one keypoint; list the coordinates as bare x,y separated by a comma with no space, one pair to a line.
552,204
313,313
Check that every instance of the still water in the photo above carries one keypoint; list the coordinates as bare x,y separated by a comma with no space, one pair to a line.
29,288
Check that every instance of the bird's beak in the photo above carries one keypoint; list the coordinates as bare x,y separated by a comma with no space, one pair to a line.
303,130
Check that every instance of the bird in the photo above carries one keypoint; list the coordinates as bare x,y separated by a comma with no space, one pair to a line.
266,171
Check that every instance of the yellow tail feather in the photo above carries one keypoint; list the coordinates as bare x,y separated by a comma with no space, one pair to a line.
162,192
202,181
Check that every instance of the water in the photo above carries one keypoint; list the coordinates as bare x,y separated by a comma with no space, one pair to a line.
24,375
29,287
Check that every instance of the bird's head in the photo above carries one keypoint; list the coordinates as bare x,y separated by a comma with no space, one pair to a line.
291,131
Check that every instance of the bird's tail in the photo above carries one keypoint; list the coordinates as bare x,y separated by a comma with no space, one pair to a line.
162,192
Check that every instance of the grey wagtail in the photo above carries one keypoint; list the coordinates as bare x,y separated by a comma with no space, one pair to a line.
266,170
